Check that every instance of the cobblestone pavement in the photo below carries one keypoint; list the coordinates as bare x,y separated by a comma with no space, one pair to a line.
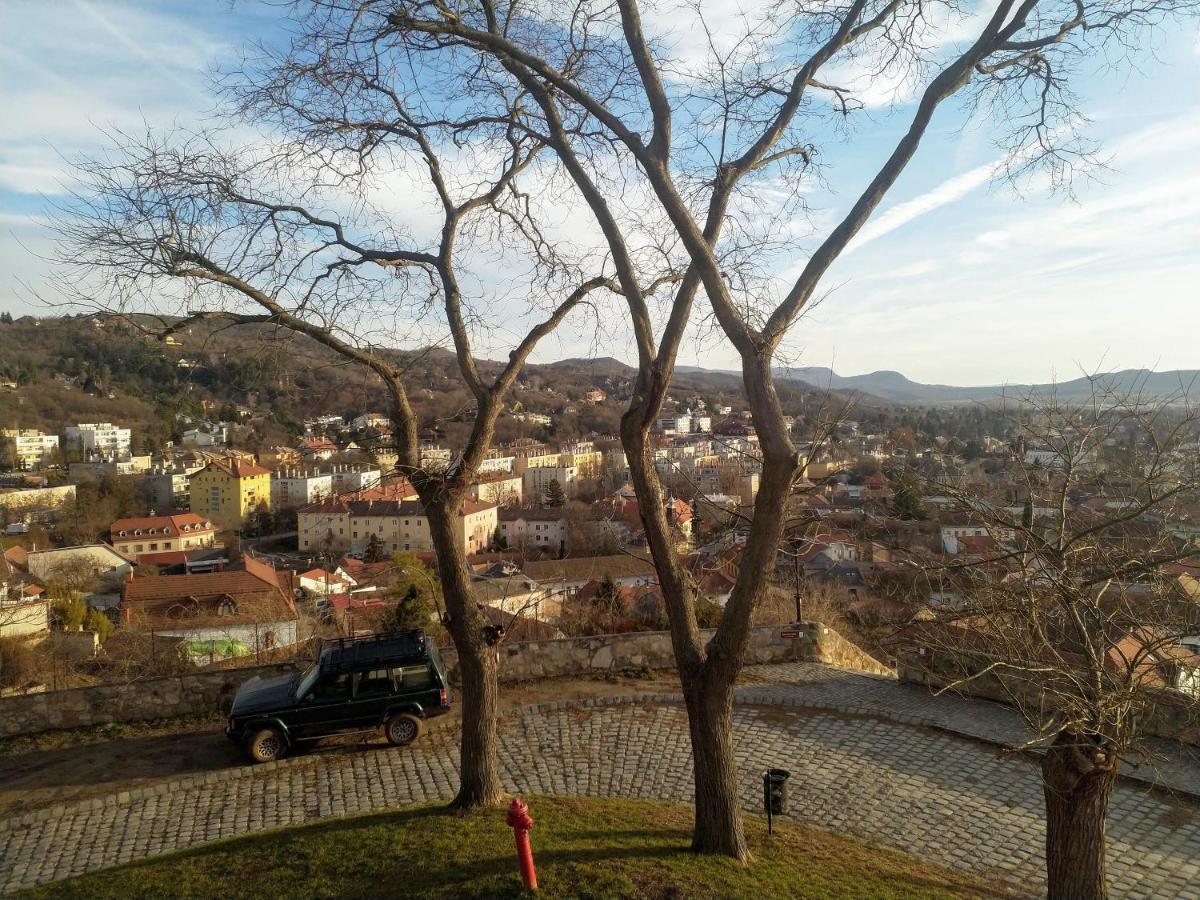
926,792
1170,765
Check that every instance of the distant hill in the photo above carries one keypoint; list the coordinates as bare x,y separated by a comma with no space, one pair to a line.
602,365
897,388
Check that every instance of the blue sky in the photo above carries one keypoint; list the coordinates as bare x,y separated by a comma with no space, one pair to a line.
956,281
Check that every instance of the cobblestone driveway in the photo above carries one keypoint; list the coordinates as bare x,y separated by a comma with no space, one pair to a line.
940,797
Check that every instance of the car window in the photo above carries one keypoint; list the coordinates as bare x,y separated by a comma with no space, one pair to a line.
376,683
416,676
336,687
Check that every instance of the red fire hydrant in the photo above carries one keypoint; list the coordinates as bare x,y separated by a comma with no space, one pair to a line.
519,821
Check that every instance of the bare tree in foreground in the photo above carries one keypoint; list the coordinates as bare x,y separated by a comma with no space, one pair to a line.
1075,609
709,159
292,234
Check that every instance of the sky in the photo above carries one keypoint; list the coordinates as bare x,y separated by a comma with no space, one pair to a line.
957,279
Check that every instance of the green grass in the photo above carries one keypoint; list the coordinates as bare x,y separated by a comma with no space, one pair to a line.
583,848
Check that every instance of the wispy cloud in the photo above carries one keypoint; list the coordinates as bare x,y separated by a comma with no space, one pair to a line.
949,191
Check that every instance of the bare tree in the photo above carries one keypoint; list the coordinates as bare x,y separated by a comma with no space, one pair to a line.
681,155
1069,605
295,234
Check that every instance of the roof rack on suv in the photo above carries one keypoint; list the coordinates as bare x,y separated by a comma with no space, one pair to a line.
353,653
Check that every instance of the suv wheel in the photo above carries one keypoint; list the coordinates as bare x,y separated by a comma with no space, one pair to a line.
402,729
265,744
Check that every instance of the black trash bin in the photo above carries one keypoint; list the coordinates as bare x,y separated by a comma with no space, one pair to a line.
774,794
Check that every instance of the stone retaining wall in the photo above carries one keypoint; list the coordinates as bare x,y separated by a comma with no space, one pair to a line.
200,693
1173,716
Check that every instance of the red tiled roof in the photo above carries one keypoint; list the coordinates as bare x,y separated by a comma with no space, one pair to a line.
183,523
238,468
17,557
258,592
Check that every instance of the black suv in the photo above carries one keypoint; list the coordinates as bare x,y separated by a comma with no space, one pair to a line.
393,681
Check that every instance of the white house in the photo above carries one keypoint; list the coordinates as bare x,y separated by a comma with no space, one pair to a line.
100,439
32,448
545,529
299,488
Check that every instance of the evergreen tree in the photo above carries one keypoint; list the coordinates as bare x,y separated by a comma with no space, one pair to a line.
6,318
555,496
413,609
375,551
906,501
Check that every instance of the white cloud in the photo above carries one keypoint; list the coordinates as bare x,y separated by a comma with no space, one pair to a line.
949,191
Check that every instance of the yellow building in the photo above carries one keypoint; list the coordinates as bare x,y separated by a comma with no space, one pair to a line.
227,490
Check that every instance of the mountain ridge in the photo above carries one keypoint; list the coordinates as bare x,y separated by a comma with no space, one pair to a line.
897,388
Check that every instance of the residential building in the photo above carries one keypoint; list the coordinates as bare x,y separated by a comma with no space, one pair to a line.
538,479
584,457
501,488
349,522
674,424
206,435
291,488
317,448
324,583
167,488
227,490
99,439
98,566
32,449
535,456
370,420
280,457
30,499
347,478
564,577
99,467
161,534
497,462
545,529
218,614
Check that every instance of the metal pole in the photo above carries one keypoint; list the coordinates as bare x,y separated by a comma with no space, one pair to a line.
799,609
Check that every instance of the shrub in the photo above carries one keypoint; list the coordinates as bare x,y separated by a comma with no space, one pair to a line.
18,663
98,622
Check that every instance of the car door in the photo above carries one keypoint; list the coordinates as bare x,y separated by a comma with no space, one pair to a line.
374,690
325,709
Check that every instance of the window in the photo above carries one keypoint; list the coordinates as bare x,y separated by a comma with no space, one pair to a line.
335,687
376,683
154,546
416,676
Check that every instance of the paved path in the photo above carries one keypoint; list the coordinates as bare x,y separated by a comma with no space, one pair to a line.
953,801
1167,764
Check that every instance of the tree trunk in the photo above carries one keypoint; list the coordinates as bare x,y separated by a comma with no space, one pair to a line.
479,779
718,828
1077,779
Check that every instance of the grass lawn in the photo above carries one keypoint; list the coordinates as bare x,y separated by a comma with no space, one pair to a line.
583,848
